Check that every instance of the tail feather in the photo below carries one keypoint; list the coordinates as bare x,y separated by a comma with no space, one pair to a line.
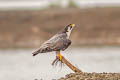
36,52
42,50
39,51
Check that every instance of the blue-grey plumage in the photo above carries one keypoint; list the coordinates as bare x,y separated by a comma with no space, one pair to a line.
58,42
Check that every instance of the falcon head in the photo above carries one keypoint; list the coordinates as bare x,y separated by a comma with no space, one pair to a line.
68,29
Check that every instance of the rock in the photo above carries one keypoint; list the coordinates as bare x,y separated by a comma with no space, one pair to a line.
91,76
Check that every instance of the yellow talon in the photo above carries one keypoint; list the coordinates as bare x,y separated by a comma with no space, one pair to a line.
59,56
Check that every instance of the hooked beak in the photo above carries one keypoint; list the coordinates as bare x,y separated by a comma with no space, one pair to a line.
73,25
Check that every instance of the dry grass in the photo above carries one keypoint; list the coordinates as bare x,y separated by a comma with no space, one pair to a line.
97,26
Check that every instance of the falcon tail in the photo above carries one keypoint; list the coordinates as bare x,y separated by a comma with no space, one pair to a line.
36,52
42,50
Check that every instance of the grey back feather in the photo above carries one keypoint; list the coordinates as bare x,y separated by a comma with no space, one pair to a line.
56,43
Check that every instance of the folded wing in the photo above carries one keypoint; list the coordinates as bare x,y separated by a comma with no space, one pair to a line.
56,43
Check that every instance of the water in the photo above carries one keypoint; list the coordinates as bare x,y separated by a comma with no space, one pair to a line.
21,65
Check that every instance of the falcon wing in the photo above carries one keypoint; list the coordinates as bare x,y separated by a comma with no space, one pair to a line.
61,44
56,43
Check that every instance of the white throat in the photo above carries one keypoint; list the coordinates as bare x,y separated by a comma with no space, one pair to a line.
68,34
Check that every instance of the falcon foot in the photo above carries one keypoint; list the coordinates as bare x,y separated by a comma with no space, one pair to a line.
58,60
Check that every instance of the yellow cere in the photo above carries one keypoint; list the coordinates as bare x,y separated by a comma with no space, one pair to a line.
72,25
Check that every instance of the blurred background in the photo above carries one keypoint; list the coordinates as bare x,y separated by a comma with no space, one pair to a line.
26,24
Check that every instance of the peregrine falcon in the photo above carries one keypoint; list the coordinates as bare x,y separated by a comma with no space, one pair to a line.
58,42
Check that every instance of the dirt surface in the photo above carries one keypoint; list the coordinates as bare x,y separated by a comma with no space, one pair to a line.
92,76
95,26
